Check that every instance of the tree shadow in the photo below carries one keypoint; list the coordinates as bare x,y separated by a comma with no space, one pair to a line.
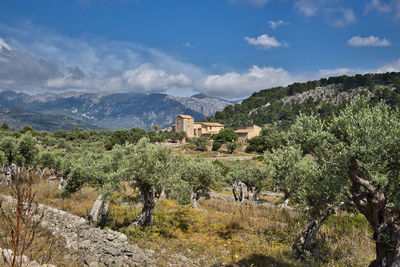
258,260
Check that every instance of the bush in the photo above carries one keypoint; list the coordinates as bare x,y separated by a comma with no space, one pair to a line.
216,146
201,144
231,147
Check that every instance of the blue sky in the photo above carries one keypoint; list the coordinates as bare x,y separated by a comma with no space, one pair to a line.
225,48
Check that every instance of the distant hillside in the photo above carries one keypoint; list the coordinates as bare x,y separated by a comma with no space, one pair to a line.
119,110
17,118
323,97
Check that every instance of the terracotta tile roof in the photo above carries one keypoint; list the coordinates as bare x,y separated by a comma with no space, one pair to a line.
239,131
185,116
212,124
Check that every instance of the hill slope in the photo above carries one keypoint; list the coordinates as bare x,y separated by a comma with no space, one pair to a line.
17,118
323,97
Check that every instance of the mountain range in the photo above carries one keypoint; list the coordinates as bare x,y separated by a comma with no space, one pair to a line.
111,111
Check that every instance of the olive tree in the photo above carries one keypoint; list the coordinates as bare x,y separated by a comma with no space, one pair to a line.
248,177
196,177
355,158
18,154
151,168
98,170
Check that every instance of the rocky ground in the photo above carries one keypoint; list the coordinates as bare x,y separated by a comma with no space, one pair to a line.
92,246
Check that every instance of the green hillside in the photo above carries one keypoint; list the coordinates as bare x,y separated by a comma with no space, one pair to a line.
324,97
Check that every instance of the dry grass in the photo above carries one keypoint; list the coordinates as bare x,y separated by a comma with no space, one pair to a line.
242,235
224,232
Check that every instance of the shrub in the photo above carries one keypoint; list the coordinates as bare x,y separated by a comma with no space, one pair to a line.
216,146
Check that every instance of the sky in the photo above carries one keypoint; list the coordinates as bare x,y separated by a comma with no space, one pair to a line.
222,48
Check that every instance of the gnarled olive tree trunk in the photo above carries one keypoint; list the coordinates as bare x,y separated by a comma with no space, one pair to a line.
193,199
304,243
370,199
9,172
146,218
238,191
99,213
253,193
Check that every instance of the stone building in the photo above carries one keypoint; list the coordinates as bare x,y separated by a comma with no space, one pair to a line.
248,133
186,123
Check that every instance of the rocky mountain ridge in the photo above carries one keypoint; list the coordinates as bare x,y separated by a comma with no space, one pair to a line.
116,110
17,118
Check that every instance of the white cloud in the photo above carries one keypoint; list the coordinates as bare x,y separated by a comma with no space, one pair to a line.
388,7
4,44
308,8
104,65
265,41
332,11
150,79
358,41
339,17
234,85
276,24
378,6
390,67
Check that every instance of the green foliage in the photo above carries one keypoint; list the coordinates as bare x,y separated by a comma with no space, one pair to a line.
8,146
150,165
362,141
195,175
225,135
27,129
27,150
201,143
264,107
216,146
3,159
255,176
231,147
5,127
50,158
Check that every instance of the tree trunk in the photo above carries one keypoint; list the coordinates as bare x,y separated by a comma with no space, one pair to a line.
304,244
241,190
193,199
9,171
235,191
285,201
238,191
387,238
99,213
146,218
164,194
371,201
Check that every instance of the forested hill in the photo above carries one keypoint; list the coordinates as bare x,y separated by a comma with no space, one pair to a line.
324,97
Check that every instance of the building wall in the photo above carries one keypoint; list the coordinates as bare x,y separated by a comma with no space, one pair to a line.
256,130
185,125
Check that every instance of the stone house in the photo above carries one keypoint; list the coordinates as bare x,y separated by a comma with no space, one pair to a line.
186,123
248,133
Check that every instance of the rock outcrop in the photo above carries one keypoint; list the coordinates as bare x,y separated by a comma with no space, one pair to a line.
92,246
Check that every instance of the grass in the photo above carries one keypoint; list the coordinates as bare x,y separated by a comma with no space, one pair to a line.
224,232
242,235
